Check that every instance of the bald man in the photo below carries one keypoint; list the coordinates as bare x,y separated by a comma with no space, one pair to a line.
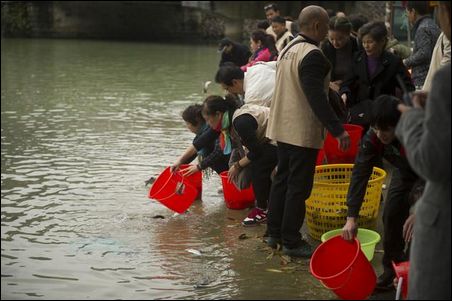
299,114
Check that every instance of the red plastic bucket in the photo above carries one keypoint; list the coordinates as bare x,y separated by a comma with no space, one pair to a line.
334,155
401,269
342,267
320,157
234,198
195,179
173,190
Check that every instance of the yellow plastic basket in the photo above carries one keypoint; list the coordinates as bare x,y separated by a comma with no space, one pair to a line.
326,208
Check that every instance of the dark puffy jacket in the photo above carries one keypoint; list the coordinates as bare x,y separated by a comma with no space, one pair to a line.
359,87
371,153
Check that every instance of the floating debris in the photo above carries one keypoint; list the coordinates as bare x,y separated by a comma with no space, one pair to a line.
193,251
285,259
274,270
243,236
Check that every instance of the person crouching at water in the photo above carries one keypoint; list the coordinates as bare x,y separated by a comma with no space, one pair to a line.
245,126
211,154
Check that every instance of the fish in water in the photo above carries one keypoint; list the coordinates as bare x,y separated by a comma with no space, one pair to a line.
151,180
158,216
180,188
205,86
193,251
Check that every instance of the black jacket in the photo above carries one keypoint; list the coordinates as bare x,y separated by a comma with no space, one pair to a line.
239,55
371,153
207,144
330,52
358,86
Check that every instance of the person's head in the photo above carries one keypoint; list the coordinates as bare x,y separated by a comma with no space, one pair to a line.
278,25
331,12
225,45
313,21
444,17
271,10
357,20
263,25
215,106
416,9
373,36
384,117
230,77
340,14
261,39
339,32
192,115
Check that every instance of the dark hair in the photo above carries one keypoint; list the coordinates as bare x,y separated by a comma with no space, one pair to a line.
266,40
193,114
227,72
421,7
271,6
215,103
377,30
279,19
340,24
263,24
384,113
357,21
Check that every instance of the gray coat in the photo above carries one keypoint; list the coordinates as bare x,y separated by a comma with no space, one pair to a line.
426,136
425,33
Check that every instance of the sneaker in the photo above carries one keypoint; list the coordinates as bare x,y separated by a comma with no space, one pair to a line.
272,242
304,250
385,280
255,217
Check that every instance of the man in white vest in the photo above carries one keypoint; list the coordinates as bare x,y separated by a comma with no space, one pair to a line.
271,11
299,114
283,35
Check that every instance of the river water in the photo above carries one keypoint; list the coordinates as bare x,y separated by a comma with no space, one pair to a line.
83,125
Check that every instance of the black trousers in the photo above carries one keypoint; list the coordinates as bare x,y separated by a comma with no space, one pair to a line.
395,213
291,187
261,170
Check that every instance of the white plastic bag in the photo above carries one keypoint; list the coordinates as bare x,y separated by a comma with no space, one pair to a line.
259,83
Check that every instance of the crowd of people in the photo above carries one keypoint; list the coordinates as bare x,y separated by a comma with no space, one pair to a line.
292,85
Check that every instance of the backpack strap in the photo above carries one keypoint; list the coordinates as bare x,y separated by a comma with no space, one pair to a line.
290,46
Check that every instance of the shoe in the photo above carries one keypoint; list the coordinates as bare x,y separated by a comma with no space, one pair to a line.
255,217
272,242
304,250
385,280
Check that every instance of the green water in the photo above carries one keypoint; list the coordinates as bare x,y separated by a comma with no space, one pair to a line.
83,125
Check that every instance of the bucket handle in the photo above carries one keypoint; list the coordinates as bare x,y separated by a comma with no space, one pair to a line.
342,285
169,178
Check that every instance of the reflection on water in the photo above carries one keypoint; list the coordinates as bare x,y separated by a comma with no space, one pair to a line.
83,125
